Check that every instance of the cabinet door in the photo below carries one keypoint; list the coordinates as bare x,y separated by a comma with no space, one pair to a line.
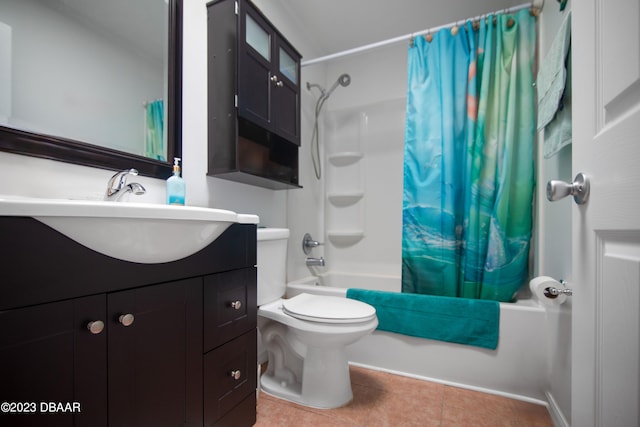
230,306
53,368
230,377
155,355
255,64
286,94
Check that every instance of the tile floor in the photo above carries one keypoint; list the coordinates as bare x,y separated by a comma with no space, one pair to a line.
382,399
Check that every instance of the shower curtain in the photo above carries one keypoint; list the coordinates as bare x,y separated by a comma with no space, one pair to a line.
154,130
468,167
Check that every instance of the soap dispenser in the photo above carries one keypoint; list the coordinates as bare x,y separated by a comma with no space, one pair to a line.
176,187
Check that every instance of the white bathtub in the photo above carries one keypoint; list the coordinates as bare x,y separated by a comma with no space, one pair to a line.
515,369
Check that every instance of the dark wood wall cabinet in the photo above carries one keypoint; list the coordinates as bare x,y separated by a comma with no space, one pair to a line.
88,340
254,98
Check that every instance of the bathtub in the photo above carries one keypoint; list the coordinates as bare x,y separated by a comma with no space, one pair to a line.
516,369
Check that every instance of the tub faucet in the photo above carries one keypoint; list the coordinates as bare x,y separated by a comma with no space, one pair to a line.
118,187
315,261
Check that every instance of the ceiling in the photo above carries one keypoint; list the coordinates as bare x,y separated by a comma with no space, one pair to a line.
337,25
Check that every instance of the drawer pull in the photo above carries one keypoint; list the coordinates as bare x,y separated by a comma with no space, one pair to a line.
235,374
236,304
126,319
95,326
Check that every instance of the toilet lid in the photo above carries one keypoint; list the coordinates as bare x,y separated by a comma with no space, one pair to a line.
327,309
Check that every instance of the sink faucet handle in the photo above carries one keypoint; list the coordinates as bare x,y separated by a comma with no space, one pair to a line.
118,180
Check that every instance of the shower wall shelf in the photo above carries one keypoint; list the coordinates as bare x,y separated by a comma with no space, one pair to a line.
345,199
345,158
344,238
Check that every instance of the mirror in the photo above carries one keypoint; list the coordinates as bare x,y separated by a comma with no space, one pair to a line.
92,82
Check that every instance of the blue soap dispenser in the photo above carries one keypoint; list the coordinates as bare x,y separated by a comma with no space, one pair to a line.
176,187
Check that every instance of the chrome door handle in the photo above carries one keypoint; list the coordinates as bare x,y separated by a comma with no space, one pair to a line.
579,189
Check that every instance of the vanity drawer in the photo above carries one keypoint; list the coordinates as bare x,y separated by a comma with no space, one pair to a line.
230,306
230,376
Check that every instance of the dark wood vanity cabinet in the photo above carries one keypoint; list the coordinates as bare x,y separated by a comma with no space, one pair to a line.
87,340
254,98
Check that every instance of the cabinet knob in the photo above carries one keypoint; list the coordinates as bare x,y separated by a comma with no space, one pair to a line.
95,326
235,374
274,79
126,319
236,304
280,84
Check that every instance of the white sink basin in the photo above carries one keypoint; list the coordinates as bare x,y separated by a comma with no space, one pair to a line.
136,232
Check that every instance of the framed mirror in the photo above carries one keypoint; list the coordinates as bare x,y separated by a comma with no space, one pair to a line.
92,82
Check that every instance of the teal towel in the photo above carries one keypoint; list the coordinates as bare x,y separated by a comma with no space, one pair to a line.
458,320
554,92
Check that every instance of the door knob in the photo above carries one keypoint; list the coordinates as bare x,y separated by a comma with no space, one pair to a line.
579,189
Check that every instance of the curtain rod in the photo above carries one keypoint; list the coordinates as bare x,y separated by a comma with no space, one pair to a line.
535,5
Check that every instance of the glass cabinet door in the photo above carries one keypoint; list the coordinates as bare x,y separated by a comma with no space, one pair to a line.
258,38
288,66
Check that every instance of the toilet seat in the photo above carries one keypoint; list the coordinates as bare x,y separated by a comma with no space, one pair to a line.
327,309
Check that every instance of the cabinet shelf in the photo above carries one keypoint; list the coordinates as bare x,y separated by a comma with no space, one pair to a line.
345,199
345,158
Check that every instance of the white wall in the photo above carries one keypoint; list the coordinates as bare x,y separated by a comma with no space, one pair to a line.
368,116
553,246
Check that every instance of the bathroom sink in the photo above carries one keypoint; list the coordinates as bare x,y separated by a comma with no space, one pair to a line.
136,232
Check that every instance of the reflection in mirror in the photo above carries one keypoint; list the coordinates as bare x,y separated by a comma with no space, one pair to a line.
92,82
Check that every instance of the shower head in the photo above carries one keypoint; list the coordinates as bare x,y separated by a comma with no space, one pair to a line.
344,80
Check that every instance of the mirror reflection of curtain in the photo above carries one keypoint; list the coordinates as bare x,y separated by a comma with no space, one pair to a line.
5,73
154,131
468,173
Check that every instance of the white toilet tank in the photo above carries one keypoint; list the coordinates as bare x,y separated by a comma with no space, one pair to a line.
272,264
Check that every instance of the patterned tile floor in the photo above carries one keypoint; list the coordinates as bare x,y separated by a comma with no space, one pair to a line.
386,400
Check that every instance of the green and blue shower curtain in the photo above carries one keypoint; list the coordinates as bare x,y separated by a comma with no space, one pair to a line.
468,161
154,131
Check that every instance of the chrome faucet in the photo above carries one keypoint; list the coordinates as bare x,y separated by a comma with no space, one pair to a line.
307,244
315,261
118,187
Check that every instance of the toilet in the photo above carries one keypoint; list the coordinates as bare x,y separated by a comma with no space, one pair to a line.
305,337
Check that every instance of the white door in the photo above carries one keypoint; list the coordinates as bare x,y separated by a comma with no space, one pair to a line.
606,230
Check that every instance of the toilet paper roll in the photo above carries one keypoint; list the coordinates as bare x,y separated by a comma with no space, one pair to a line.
538,286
